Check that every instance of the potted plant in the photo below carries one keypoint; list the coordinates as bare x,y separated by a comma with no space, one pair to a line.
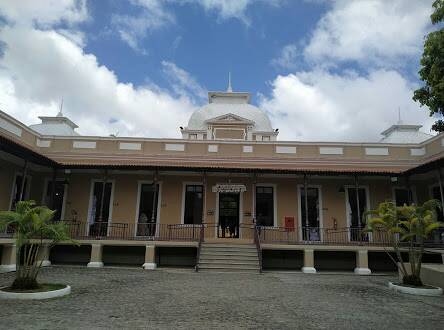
33,228
408,227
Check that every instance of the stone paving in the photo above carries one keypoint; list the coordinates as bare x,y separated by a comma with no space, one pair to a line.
128,298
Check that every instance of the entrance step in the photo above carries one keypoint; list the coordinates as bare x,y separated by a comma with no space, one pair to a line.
228,257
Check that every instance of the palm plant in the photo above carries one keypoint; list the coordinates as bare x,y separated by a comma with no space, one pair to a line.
408,227
33,227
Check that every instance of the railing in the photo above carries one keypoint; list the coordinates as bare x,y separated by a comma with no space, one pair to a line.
201,240
125,231
257,242
325,236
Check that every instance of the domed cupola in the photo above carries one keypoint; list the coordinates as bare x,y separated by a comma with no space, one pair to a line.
229,116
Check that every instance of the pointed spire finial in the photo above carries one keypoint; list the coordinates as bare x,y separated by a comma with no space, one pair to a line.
229,89
60,114
399,116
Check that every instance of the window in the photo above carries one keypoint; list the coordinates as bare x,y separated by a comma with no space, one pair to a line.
310,219
402,196
265,138
99,213
193,204
16,190
58,198
356,226
100,208
149,198
264,206
193,136
436,194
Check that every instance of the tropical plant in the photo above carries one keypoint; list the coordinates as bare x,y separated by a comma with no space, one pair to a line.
432,69
33,227
408,227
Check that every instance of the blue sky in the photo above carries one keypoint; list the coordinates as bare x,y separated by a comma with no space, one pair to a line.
203,43
321,69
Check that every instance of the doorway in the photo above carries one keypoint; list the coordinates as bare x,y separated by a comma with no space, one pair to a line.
228,215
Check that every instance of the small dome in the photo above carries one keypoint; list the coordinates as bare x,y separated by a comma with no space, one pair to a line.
229,103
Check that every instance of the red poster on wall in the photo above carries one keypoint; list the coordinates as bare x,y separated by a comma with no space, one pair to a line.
289,223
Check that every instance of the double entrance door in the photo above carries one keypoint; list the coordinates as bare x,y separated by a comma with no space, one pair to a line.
228,215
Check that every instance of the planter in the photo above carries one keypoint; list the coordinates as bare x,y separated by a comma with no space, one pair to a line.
35,295
420,291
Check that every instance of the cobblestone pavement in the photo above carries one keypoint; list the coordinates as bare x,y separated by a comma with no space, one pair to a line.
181,299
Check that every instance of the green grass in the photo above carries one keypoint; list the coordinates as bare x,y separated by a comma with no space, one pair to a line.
44,287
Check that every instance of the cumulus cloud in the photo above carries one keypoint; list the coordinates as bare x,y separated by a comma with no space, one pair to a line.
44,12
320,103
321,106
155,14
287,58
40,66
151,16
370,31
182,82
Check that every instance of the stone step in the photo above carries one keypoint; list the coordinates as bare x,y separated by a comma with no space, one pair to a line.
227,254
229,265
241,246
228,269
235,257
221,249
229,262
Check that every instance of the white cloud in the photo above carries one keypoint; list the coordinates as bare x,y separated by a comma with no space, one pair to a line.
93,97
370,31
287,57
152,16
182,82
320,106
155,14
44,12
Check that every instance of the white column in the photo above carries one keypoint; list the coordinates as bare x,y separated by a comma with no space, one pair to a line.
362,263
150,258
309,262
8,258
43,255
96,256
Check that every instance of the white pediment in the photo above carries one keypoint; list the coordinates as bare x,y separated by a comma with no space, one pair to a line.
229,118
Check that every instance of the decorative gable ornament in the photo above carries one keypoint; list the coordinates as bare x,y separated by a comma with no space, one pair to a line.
229,188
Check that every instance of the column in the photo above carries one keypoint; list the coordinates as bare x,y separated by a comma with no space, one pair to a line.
150,258
362,263
8,258
43,255
96,256
309,262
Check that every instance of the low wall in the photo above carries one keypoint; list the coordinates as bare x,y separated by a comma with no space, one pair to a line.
282,259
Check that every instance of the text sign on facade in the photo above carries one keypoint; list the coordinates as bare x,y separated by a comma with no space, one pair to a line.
229,188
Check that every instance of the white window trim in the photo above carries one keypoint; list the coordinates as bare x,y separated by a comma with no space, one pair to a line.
321,209
159,203
241,210
65,194
412,188
28,191
274,186
111,202
347,206
184,186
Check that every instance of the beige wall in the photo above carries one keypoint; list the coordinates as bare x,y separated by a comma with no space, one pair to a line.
125,191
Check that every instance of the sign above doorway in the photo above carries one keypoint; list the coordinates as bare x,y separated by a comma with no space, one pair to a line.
229,188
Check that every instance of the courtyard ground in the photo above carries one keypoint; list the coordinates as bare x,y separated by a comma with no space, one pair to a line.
132,298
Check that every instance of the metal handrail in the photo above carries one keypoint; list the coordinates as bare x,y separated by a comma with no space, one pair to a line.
199,246
257,242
